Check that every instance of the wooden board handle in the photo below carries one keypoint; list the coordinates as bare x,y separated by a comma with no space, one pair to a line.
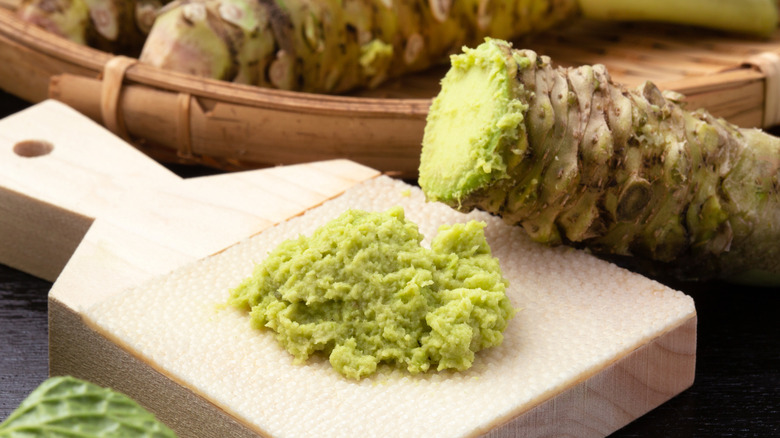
58,171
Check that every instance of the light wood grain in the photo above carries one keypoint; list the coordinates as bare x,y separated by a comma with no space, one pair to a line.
65,189
91,173
77,350
158,229
625,390
139,224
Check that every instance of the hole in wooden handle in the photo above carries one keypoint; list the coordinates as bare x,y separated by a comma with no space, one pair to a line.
33,148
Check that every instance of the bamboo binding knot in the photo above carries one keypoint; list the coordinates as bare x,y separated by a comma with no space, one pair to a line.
110,92
111,111
768,63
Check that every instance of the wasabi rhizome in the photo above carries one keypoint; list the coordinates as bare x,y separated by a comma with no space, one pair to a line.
330,46
576,159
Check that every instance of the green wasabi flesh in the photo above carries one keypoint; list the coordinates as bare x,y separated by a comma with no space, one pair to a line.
363,291
480,121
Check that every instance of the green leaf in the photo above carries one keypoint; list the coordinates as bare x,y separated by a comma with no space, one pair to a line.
71,408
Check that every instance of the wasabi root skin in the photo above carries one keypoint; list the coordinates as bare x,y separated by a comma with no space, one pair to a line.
576,159
362,291
332,46
110,25
229,40
66,18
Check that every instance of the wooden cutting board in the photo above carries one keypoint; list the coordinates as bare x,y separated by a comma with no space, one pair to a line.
108,225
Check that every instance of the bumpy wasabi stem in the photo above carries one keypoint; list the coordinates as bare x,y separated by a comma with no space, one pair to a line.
66,18
221,39
109,25
576,159
331,46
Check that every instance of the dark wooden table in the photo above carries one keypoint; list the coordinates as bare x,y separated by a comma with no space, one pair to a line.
736,392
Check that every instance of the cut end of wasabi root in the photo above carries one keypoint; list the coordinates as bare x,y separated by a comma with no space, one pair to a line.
478,115
575,159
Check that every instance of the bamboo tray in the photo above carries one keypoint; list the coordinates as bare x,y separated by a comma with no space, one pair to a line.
178,117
